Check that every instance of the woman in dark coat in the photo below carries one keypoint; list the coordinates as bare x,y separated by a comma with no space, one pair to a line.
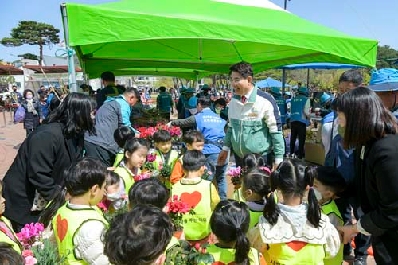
44,155
32,111
371,129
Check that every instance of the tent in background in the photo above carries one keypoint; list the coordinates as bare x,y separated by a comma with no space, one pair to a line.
207,35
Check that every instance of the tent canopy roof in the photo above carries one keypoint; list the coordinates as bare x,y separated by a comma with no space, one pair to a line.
208,35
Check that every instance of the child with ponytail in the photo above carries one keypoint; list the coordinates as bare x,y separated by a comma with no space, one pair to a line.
294,232
256,186
230,223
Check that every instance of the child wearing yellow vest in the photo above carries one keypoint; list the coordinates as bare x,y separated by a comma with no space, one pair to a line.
121,135
328,183
7,234
138,237
230,223
255,188
135,151
201,195
165,156
194,140
294,232
78,224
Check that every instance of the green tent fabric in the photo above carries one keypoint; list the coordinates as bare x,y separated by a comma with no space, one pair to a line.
207,35
175,72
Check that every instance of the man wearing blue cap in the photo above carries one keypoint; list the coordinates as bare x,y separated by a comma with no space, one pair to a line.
299,119
385,83
327,121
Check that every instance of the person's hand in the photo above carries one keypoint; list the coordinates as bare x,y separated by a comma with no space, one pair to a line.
348,232
274,167
110,168
222,157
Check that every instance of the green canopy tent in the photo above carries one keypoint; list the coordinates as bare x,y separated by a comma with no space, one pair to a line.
207,35
174,72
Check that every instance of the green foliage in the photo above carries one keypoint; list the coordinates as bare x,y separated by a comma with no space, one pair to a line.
184,254
47,253
7,79
32,33
29,56
167,82
387,57
109,215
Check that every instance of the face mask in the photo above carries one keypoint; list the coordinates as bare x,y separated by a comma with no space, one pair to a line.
113,196
341,131
29,96
318,195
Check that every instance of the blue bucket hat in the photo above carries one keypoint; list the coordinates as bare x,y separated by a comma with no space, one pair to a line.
385,79
303,90
325,98
189,90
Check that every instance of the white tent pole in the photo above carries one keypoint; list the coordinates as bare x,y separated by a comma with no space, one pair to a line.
70,52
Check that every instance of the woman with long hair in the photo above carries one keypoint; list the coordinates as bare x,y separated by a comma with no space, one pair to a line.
366,125
37,170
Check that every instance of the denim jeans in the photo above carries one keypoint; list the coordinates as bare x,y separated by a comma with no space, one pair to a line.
219,172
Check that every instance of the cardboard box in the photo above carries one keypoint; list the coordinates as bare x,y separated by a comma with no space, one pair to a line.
314,153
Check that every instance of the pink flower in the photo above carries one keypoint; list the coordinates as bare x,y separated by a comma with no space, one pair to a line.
30,260
265,169
27,252
234,172
150,158
142,176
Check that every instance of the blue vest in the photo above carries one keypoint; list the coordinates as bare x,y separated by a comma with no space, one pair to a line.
212,128
328,118
297,108
339,158
282,108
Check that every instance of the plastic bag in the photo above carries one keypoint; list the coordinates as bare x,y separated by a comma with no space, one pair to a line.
19,115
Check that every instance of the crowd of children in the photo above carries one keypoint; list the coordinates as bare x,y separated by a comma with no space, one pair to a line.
285,217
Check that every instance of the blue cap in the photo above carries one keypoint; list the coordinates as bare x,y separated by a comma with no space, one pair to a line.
385,79
303,90
189,90
193,102
275,90
325,98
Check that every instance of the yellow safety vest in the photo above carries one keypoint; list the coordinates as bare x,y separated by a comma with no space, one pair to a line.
118,158
8,236
198,195
66,223
227,255
254,217
126,176
329,208
170,162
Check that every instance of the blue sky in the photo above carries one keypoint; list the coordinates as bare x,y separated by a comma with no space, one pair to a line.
360,18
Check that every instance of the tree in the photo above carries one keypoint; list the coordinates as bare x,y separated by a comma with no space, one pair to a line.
387,57
32,33
29,56
164,81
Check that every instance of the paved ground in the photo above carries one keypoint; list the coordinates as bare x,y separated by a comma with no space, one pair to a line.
12,135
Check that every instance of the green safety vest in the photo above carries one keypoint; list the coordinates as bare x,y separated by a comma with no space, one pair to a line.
198,195
227,255
8,236
254,217
66,223
126,176
329,208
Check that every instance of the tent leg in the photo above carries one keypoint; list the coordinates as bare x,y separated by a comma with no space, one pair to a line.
308,78
71,63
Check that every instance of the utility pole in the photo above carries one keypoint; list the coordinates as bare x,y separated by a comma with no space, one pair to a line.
285,5
284,70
